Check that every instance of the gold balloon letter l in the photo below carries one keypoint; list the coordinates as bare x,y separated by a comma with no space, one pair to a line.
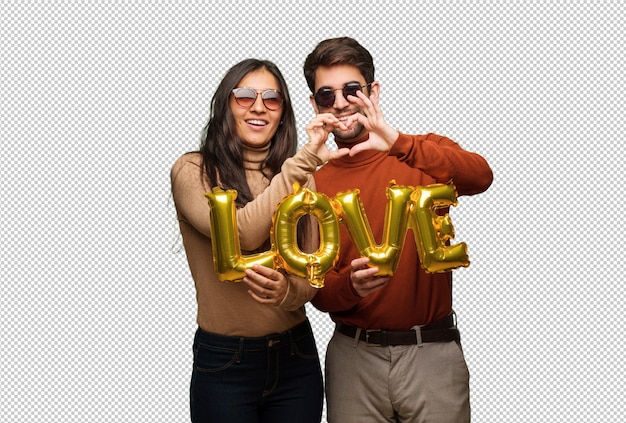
230,265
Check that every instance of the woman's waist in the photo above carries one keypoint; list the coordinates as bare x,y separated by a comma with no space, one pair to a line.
255,343
248,320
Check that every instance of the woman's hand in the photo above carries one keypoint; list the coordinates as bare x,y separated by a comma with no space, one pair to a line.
318,130
267,286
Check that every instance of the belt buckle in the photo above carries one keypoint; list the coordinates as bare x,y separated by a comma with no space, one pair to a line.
367,338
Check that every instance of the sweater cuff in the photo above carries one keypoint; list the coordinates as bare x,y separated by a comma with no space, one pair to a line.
299,292
286,302
402,145
310,157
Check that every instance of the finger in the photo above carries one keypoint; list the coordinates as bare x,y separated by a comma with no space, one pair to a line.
339,153
369,101
259,290
261,299
328,119
377,284
360,100
357,149
254,284
264,271
357,117
261,285
366,288
317,122
359,263
368,273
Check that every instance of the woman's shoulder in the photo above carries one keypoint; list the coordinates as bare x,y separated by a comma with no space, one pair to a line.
192,160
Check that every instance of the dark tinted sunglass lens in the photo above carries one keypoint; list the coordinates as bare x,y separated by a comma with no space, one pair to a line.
272,99
351,89
245,97
325,97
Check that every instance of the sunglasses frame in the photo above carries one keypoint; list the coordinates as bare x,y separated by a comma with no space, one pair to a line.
257,93
343,92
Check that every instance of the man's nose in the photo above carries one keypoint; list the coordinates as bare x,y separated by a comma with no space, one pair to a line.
340,101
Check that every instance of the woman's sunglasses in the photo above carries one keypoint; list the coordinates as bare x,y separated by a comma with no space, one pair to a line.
246,97
325,97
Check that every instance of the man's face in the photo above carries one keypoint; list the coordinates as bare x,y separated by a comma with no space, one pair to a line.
335,78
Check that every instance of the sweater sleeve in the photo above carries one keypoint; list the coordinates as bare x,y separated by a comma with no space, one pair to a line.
337,294
445,161
255,218
299,292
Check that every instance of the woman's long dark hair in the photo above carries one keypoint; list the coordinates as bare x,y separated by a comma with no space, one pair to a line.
222,149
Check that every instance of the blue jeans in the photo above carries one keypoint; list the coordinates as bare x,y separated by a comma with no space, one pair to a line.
276,378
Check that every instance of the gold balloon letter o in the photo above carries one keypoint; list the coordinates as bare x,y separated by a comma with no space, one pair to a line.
312,266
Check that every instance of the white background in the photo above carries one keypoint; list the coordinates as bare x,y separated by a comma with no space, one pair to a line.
98,99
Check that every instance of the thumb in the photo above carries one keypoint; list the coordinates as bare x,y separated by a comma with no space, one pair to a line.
358,148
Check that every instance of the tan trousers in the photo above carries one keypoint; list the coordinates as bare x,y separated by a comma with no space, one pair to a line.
403,383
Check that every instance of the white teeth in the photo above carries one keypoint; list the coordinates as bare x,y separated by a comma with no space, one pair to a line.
341,119
256,122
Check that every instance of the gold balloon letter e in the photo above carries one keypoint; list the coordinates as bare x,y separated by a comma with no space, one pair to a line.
434,231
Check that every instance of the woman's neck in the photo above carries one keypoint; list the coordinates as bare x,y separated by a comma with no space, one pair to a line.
253,157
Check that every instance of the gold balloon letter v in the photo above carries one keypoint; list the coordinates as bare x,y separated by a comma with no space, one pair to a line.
407,207
385,255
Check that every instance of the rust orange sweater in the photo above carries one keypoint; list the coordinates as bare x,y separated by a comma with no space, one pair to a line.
412,297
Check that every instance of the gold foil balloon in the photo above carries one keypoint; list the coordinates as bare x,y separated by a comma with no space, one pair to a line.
230,264
407,207
433,231
312,266
385,255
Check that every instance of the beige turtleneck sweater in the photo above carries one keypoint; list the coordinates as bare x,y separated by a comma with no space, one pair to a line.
226,307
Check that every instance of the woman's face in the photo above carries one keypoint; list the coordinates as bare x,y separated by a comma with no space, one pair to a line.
256,124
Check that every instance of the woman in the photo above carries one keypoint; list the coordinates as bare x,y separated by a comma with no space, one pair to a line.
255,358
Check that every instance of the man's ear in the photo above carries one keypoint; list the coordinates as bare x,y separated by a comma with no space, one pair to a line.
375,90
314,104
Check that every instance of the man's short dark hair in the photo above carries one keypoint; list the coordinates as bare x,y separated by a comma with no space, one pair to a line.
339,51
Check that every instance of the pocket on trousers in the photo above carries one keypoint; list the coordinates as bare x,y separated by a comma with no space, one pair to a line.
459,356
305,348
212,359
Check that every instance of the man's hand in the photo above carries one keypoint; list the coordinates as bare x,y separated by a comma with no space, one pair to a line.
381,135
363,277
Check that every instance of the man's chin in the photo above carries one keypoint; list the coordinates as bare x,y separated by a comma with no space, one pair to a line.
350,136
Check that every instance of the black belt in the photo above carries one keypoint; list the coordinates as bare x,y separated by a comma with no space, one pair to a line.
443,330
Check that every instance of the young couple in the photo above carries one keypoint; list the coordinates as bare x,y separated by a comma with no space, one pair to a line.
395,355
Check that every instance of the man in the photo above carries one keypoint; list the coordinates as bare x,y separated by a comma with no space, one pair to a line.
395,355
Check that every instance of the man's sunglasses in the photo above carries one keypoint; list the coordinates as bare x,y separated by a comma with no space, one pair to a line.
325,97
246,97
